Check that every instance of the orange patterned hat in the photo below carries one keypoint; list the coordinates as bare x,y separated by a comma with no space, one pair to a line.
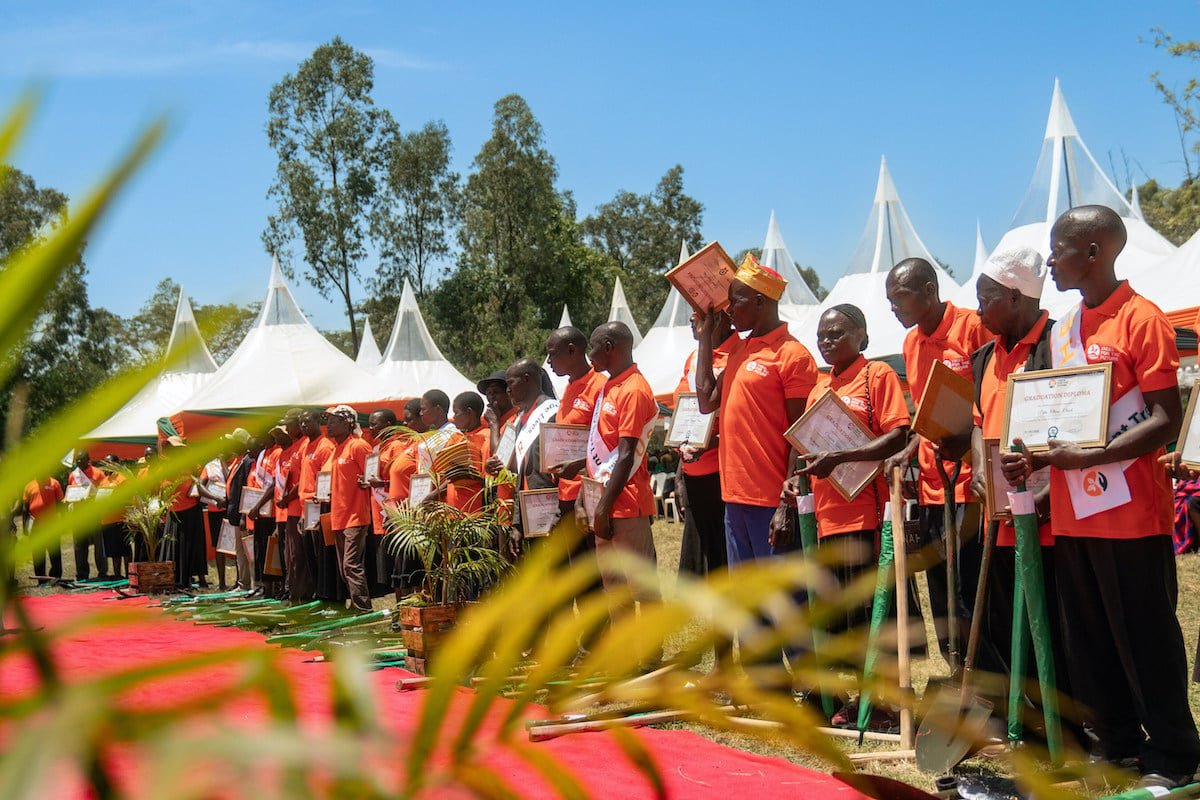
761,279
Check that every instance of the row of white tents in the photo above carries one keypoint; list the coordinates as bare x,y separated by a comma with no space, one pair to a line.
284,360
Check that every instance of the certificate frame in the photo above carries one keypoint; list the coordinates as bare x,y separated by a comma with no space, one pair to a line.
683,430
371,467
996,499
1189,451
507,445
829,415
947,405
76,493
554,438
1094,425
312,516
250,498
227,539
324,487
422,481
704,278
590,493
539,511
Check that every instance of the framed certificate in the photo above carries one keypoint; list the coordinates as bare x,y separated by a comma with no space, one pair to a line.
324,486
312,516
998,486
563,443
1069,404
250,498
539,511
371,467
827,425
506,445
215,488
227,539
103,492
273,563
947,404
1189,436
688,424
704,279
76,493
420,486
590,493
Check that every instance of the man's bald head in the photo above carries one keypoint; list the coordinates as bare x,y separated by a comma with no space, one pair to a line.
568,335
913,273
1094,224
611,348
617,333
526,367
912,290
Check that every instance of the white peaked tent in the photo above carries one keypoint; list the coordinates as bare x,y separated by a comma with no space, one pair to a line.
558,382
667,344
888,239
619,312
1066,176
285,361
965,297
188,366
798,306
1174,283
412,363
368,351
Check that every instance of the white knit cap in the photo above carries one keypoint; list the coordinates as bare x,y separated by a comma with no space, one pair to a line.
1021,268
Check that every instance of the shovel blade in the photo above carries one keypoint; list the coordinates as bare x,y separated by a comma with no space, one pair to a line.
953,726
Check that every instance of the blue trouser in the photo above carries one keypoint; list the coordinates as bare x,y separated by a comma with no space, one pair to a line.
747,533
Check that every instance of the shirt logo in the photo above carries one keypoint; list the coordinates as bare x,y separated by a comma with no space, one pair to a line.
757,368
581,404
957,364
1102,352
1095,484
856,403
609,408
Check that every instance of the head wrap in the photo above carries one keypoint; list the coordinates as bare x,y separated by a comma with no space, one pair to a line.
1021,268
763,280
855,315
347,413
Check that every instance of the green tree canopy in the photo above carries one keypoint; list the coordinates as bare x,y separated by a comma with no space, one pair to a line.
642,234
325,130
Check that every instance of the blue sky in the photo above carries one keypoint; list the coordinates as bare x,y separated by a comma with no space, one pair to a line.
784,106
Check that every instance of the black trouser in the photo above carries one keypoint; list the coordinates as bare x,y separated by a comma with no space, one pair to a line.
52,552
94,540
703,550
1125,651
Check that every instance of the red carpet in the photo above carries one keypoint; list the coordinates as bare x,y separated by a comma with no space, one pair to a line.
691,766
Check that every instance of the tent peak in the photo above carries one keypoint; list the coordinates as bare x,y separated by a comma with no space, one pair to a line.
619,311
368,348
774,237
885,188
410,340
565,320
684,255
279,307
186,351
1059,124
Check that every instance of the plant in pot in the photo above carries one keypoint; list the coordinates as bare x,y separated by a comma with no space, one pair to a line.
144,522
459,552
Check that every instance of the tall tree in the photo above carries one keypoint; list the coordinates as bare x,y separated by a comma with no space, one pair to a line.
416,208
642,233
1182,101
1175,213
521,255
74,347
325,129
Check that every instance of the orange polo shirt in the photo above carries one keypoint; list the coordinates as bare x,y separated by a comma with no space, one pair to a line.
888,412
575,408
93,474
287,465
466,493
1132,334
761,374
43,498
350,504
387,451
989,414
628,410
959,334
401,469
111,482
710,460
316,453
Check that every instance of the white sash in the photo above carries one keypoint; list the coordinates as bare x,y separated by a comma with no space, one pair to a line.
80,478
600,458
215,471
1100,488
432,445
260,472
379,493
528,434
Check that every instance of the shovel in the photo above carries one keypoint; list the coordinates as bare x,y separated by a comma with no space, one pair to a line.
957,717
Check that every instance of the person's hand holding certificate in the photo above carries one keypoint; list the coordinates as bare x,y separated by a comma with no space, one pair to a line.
704,279
828,426
1069,405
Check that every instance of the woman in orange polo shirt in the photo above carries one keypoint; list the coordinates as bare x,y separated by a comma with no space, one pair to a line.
871,389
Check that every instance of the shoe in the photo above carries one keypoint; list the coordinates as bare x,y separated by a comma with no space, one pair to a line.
1157,780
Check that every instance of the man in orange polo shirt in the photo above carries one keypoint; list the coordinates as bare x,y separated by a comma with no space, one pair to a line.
350,505
621,425
312,573
1112,516
40,501
940,331
465,488
89,477
767,380
400,471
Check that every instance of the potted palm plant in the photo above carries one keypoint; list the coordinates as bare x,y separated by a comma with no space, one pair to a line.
144,521
459,553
